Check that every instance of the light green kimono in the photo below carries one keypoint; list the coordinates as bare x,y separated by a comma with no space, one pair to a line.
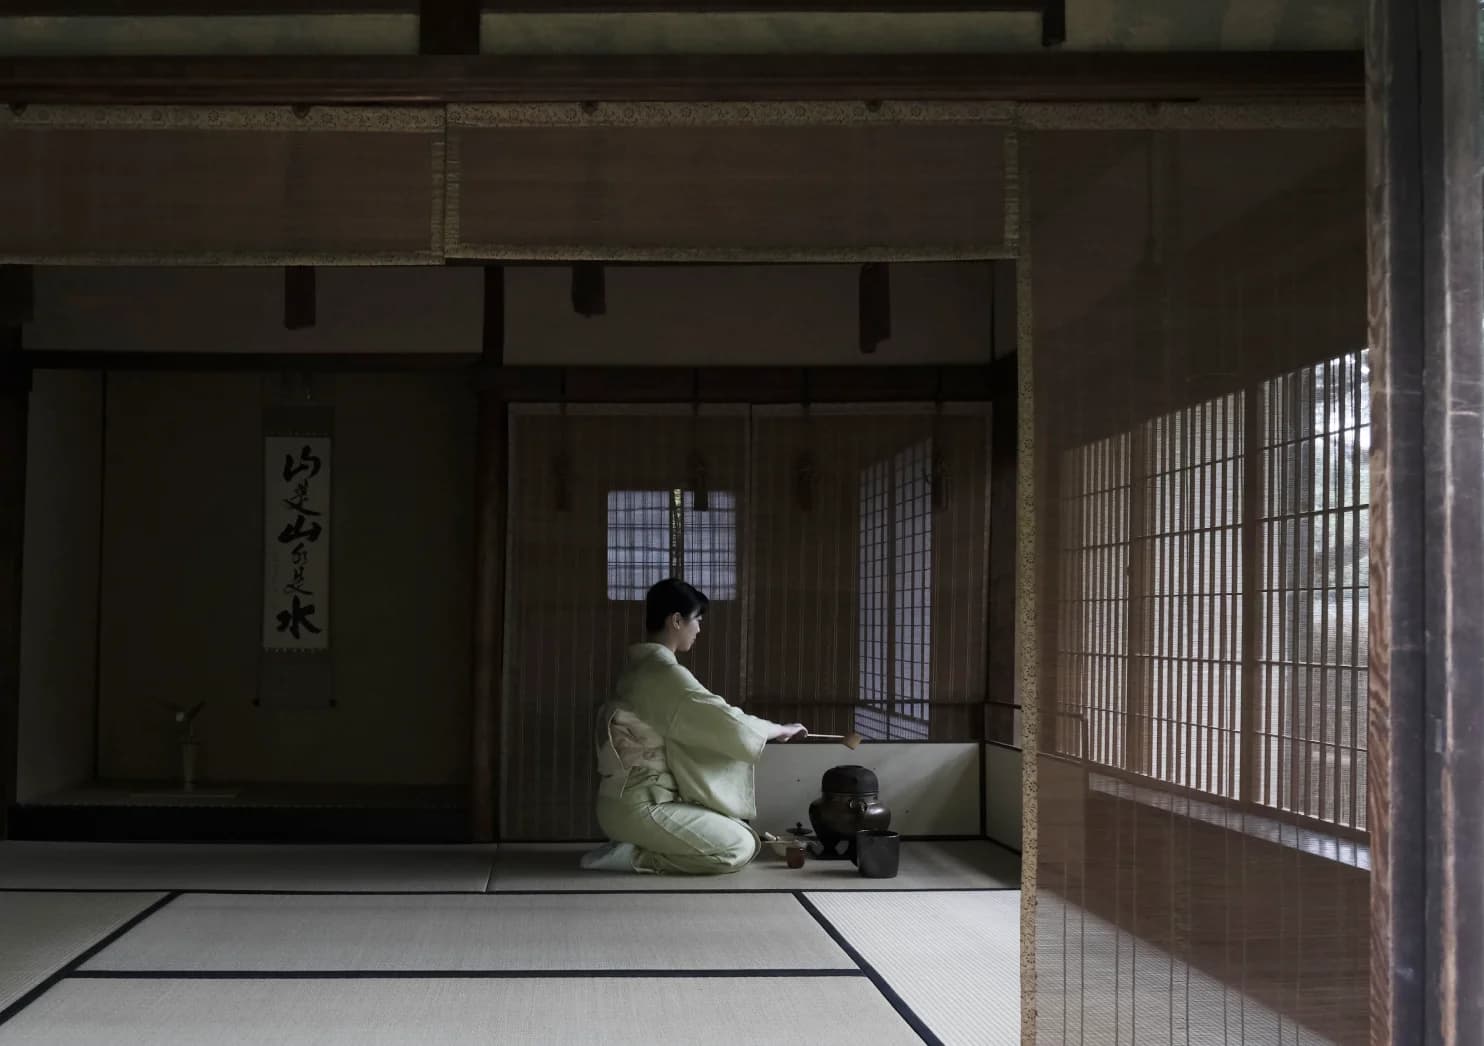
687,817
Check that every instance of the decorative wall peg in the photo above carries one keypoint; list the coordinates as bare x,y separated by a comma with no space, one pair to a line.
589,291
804,472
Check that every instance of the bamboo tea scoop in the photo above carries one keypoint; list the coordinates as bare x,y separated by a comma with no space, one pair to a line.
851,740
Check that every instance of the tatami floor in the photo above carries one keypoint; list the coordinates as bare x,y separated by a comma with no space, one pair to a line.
167,944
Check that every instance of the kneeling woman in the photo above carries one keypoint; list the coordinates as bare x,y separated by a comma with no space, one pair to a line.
675,761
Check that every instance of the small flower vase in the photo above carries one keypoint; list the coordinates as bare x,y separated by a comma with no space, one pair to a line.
189,750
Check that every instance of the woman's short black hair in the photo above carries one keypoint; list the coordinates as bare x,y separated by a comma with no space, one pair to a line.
672,596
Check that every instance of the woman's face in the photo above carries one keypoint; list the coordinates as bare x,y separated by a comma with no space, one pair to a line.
686,631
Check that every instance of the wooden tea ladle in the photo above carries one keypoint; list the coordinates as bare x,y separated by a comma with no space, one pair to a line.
851,740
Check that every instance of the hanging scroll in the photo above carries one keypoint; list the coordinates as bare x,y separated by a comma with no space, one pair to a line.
296,538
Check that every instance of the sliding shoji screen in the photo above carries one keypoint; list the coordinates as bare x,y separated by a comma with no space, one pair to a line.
1187,596
1201,431
1092,721
1150,599
870,583
1311,726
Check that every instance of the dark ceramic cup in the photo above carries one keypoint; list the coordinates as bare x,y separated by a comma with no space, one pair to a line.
877,852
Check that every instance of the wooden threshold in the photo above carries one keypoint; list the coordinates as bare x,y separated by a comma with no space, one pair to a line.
1050,76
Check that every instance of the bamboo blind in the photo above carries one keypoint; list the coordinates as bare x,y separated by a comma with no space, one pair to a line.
533,181
252,185
1202,427
870,591
844,552
1151,657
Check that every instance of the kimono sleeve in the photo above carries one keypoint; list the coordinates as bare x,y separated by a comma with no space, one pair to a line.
703,720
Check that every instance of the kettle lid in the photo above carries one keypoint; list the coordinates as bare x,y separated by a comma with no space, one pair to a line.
849,779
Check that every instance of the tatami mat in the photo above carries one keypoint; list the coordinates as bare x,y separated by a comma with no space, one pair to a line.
717,1011
1126,990
257,933
196,866
924,866
42,932
954,958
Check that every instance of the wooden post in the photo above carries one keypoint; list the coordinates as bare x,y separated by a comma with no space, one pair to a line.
1003,486
15,385
1426,760
491,483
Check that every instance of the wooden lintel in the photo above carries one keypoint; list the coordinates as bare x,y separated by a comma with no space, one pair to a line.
434,79
566,7
874,384
166,8
517,384
66,359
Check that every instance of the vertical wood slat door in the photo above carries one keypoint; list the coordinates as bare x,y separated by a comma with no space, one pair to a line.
845,554
868,597
593,522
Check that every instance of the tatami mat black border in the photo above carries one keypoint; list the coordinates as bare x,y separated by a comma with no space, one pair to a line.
71,968
899,1004
438,975
699,892
771,891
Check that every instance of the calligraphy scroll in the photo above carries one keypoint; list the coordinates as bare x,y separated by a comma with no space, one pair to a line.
296,539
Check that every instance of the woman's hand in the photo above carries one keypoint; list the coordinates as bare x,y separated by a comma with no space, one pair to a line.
787,732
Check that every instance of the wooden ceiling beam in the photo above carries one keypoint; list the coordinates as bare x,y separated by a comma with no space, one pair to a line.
196,8
176,8
782,6
434,79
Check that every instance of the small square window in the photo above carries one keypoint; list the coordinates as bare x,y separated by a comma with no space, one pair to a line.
655,534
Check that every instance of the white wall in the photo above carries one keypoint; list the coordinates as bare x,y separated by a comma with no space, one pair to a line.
932,789
1002,794
59,583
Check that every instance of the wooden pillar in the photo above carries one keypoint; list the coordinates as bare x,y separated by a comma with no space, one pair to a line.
1426,757
1003,487
491,484
15,385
